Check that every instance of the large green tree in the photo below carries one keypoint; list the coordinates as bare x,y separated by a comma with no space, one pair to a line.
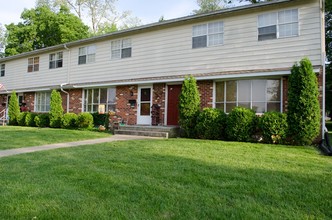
2,40
209,5
42,27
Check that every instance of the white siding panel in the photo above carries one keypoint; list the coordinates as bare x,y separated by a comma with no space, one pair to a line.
169,52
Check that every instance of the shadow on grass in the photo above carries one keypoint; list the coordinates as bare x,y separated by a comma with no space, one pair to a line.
116,181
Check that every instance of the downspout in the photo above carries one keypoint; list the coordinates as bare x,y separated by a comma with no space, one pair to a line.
68,71
323,63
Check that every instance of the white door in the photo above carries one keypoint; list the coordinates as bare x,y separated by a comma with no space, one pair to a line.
144,105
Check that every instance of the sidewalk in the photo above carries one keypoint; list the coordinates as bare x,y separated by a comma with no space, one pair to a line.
10,152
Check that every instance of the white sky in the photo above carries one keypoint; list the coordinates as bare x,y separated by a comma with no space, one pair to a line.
147,10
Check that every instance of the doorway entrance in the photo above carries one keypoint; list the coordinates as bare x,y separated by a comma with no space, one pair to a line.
144,105
173,93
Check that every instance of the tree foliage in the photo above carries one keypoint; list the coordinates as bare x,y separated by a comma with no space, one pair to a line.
303,106
43,28
2,41
209,5
328,49
56,110
189,106
13,109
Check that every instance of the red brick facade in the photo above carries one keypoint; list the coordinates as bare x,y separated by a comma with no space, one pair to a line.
158,97
75,100
123,108
205,89
29,99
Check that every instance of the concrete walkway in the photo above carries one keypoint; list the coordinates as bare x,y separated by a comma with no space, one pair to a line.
10,152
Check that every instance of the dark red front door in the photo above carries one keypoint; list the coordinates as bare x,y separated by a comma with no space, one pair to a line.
172,105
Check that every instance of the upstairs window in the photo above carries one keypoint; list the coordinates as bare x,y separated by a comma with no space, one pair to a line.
56,60
2,70
87,55
205,35
121,49
278,25
33,64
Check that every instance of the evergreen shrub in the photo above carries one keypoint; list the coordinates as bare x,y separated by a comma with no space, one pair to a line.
69,121
274,127
303,114
240,124
100,119
21,118
13,109
85,120
56,110
30,119
189,106
42,120
211,124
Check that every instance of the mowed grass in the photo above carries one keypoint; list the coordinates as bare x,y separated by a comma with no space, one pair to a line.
167,179
18,137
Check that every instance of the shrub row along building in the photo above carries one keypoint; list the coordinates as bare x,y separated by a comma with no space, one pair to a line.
240,56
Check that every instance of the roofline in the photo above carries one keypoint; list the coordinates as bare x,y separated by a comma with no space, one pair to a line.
147,27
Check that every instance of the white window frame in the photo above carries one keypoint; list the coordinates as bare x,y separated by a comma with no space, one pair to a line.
251,91
33,66
89,52
278,23
2,70
206,30
56,60
118,47
86,103
45,100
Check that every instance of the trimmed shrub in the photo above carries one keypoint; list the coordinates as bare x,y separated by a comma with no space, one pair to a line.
56,110
303,114
69,121
100,119
85,120
274,127
21,118
30,119
211,124
240,124
13,109
189,106
42,120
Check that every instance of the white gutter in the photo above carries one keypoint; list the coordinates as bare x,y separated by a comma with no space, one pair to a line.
61,87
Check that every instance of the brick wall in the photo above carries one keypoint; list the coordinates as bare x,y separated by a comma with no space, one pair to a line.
123,108
284,94
29,98
205,89
75,100
158,98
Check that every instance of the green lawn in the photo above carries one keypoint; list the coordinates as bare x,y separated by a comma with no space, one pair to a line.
167,179
18,137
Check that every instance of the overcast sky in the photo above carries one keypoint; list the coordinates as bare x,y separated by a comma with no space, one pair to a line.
147,10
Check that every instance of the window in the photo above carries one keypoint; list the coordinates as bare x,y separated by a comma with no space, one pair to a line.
121,49
210,34
2,69
56,60
33,64
42,102
278,25
87,55
95,97
261,95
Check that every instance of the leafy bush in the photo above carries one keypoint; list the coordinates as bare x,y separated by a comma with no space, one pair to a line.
21,118
56,110
189,106
100,119
42,120
211,124
13,109
30,119
274,127
303,106
240,124
85,120
69,120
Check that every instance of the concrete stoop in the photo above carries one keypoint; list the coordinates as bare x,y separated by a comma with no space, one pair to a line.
150,131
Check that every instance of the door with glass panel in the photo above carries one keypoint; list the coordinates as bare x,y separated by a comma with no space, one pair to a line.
144,105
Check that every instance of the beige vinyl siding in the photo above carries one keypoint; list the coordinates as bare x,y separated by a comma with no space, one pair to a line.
168,52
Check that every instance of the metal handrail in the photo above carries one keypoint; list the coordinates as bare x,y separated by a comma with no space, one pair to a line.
4,117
